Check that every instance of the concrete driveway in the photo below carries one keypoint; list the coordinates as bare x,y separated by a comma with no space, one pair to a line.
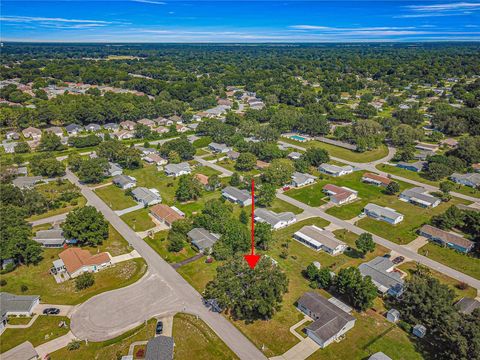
65,310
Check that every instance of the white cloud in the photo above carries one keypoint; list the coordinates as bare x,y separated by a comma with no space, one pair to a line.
27,19
340,29
150,2
445,7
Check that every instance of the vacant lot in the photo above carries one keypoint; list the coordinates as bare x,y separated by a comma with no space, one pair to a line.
44,329
139,220
281,206
195,340
159,243
467,264
115,197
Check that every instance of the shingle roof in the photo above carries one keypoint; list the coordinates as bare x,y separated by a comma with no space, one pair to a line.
159,348
240,195
16,303
446,236
300,178
329,318
26,181
474,178
273,218
166,213
75,258
145,195
376,177
467,305
52,236
377,270
122,180
324,237
379,356
334,168
420,194
177,168
384,211
202,238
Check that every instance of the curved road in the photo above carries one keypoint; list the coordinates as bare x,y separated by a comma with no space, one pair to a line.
162,290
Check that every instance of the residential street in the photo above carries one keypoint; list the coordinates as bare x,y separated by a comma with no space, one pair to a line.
161,291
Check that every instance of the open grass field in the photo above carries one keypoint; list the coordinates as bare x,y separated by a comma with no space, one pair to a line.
199,273
372,333
342,153
115,197
467,264
465,190
230,165
78,202
410,266
115,244
196,206
195,340
138,220
44,329
159,243
39,281
281,206
110,349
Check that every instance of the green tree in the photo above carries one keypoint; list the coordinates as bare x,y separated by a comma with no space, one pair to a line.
84,281
86,225
92,171
181,146
263,236
246,162
359,291
235,179
176,241
243,217
392,188
22,147
279,172
188,188
316,156
365,243
266,195
214,182
50,142
446,186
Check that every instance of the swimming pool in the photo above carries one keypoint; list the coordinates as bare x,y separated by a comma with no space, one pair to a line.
298,138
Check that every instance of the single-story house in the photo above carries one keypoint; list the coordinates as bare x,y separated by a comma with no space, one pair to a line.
330,321
376,179
26,182
219,148
124,181
379,356
419,196
446,238
423,155
181,128
467,305
233,155
123,134
159,348
128,125
146,196
52,238
241,197
155,159
165,214
275,220
9,147
382,272
111,126
175,119
161,130
180,169
340,195
415,166
24,351
93,127
426,147
17,305
294,155
202,239
73,129
147,122
260,165
202,179
386,214
320,239
469,179
77,261
476,167
338,143
419,331
302,179
32,132
114,169
393,315
55,130
12,135
334,170
146,150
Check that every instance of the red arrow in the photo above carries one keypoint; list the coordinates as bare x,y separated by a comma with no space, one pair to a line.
251,258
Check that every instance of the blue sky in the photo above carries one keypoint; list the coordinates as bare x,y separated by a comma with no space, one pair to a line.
239,21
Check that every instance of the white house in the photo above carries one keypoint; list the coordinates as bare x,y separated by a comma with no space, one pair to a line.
124,181
340,195
320,239
218,148
301,179
469,179
419,196
77,261
178,169
386,214
241,197
276,221
334,170
146,196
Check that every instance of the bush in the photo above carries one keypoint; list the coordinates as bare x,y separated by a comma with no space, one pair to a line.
140,353
73,345
462,286
3,282
84,281
24,288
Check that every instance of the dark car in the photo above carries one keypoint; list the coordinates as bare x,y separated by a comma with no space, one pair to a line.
398,259
159,328
51,311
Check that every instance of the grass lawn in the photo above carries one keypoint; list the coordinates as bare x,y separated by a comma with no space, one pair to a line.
44,329
467,264
465,190
81,201
192,207
201,151
199,273
300,329
471,292
281,206
40,282
159,243
195,340
342,153
110,349
19,320
202,142
138,220
230,165
115,197
372,333
205,170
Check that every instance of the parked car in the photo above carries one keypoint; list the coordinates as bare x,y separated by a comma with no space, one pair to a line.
51,311
159,328
285,188
398,259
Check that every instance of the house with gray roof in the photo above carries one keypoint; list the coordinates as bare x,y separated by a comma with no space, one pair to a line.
419,196
73,129
386,214
114,169
24,351
379,356
218,148
330,322
415,166
467,305
146,196
275,220
202,239
334,170
302,179
111,126
52,238
382,272
93,127
124,181
26,182
237,196
159,348
469,179
294,155
18,305
320,239
180,169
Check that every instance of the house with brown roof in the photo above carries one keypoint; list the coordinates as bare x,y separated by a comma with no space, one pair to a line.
155,159
127,125
202,179
376,179
32,132
181,128
446,238
76,261
165,214
340,195
260,165
147,122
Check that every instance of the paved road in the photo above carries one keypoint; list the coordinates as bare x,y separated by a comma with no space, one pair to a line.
162,291
386,243
371,166
51,219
